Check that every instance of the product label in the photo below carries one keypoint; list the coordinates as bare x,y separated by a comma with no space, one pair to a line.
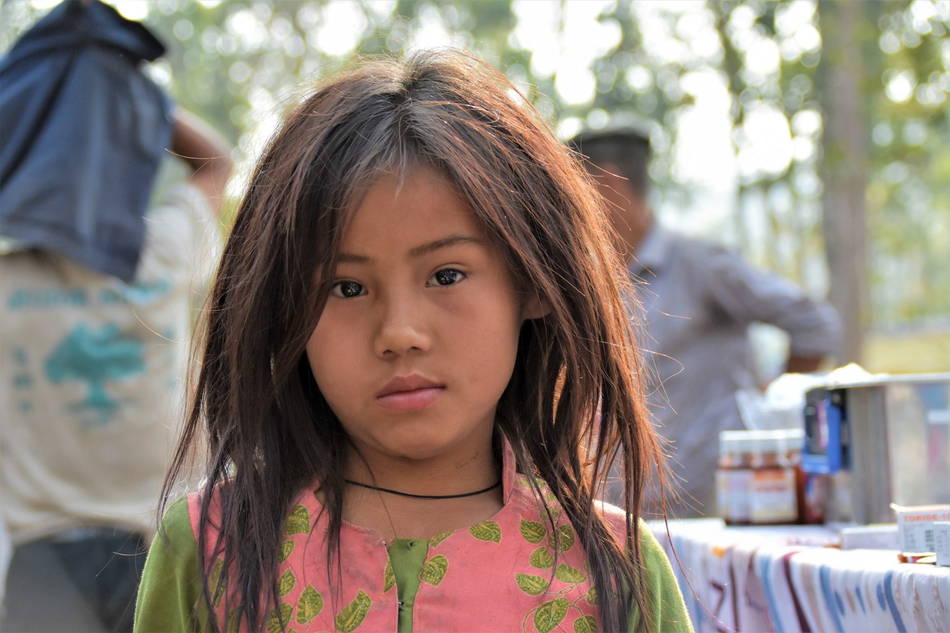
732,492
942,542
772,496
916,526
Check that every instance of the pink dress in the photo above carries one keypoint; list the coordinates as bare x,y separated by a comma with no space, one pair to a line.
509,573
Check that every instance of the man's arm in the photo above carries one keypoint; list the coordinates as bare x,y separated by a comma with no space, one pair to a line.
748,295
205,152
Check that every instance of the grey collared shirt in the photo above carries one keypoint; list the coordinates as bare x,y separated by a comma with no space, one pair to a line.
698,301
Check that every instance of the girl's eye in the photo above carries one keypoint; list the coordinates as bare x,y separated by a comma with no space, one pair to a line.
347,289
447,277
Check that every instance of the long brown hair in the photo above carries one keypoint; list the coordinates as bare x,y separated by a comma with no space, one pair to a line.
574,401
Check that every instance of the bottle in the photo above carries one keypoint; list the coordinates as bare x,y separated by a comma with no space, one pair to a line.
733,476
774,482
794,449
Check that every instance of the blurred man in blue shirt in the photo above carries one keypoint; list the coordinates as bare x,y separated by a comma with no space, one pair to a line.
698,300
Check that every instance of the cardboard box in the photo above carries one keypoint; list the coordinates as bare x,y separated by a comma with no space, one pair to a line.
878,536
915,526
942,542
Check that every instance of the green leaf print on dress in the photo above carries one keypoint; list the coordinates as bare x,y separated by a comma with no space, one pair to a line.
298,522
591,596
389,577
438,538
353,614
214,582
286,583
550,614
310,605
566,573
562,539
542,558
531,585
233,621
273,624
487,531
286,549
585,624
434,570
532,531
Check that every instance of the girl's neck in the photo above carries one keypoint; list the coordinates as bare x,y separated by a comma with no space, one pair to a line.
396,516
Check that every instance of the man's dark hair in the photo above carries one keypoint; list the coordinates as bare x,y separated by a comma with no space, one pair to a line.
626,148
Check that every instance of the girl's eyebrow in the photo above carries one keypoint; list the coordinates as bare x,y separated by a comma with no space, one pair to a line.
416,251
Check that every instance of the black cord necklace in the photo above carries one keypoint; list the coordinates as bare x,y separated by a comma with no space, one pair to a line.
414,496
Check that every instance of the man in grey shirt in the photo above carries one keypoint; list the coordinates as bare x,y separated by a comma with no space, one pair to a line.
698,300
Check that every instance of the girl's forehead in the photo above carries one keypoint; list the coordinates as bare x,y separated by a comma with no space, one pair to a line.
418,207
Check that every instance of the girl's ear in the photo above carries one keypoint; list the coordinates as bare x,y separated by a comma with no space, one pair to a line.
535,307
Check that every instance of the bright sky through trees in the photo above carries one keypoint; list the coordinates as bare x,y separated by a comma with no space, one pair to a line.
730,90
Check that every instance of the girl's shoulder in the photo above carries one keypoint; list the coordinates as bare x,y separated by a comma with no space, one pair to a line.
186,512
172,562
613,516
191,505
667,609
190,508
175,533
616,519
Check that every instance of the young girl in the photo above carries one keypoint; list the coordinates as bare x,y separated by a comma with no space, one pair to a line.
417,370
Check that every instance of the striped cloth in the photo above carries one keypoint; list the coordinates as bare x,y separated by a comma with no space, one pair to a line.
781,580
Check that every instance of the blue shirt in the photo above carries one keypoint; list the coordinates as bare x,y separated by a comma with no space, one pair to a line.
698,300
82,133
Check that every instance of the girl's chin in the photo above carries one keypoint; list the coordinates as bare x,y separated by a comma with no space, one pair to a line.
416,446
416,451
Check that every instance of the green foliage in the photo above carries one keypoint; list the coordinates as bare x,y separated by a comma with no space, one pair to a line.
240,64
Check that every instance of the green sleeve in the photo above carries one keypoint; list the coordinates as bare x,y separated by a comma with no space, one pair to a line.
667,609
169,598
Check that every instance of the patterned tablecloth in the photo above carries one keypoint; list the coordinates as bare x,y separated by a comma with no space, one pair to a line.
784,579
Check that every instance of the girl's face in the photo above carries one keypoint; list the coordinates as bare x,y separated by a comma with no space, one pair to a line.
419,336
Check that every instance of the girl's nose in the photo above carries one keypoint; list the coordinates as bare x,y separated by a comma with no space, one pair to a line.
402,331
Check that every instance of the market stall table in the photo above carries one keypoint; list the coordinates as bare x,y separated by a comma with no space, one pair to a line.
787,579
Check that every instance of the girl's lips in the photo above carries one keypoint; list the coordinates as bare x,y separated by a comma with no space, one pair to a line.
410,400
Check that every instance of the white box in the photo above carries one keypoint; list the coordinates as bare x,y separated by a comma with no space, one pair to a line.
942,542
915,526
878,536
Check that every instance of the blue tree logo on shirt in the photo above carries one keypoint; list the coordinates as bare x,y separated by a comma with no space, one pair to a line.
96,357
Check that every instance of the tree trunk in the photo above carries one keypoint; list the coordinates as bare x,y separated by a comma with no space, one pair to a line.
842,75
